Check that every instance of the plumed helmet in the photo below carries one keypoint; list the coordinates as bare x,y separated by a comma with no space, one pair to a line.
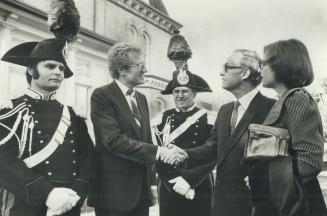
178,48
64,19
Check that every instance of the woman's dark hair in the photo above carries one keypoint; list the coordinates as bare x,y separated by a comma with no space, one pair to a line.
290,61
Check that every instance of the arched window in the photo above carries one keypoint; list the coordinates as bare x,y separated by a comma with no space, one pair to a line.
132,35
145,45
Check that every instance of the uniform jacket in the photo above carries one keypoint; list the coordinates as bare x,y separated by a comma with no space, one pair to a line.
123,150
300,116
24,190
231,195
170,202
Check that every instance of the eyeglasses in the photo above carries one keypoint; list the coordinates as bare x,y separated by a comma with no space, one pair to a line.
231,67
141,66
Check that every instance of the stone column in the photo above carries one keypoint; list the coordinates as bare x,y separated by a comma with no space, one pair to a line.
5,41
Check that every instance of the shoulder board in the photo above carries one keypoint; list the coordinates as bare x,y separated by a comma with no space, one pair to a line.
211,117
6,104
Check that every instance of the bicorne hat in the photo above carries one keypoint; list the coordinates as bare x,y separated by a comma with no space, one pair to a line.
30,53
186,79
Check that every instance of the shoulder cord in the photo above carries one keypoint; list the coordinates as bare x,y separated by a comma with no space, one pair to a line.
164,132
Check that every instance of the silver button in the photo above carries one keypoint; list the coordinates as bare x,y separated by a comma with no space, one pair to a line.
41,141
196,125
25,99
194,142
71,132
74,174
74,151
72,141
172,126
74,162
36,121
195,134
32,113
49,173
39,132
47,162
29,105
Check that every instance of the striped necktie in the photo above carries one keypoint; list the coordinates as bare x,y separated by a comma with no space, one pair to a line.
135,110
234,116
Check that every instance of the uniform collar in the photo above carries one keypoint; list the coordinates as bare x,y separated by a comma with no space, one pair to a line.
37,95
187,110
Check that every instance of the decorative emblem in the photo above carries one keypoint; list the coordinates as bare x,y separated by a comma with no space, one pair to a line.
183,78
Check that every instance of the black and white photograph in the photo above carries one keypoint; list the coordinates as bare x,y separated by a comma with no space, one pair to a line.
163,108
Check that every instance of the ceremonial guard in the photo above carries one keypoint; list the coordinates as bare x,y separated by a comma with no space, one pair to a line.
186,126
45,149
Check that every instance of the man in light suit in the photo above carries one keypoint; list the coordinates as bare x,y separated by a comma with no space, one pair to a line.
240,76
124,150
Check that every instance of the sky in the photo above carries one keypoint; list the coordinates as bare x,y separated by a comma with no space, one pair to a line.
214,28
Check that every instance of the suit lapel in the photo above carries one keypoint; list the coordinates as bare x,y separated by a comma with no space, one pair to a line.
223,131
242,126
123,105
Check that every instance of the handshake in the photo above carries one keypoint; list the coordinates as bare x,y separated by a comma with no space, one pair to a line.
61,200
172,155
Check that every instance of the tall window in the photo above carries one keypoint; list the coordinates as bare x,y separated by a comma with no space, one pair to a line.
132,35
145,45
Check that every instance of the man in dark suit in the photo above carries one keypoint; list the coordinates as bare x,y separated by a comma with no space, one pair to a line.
124,150
240,76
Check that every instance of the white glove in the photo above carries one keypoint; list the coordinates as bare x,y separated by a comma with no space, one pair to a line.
190,194
61,200
181,186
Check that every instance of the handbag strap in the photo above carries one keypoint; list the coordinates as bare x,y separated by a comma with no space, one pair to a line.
276,109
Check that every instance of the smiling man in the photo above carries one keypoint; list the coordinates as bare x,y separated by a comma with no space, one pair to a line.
45,149
181,193
124,149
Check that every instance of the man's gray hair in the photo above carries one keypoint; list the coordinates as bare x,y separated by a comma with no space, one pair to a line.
119,57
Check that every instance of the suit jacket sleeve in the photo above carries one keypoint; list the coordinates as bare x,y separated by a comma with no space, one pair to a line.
305,127
104,115
17,178
208,151
85,153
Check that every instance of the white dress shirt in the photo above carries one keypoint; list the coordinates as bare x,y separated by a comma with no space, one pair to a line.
245,101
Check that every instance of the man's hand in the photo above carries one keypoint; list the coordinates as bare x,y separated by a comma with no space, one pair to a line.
173,155
180,185
61,200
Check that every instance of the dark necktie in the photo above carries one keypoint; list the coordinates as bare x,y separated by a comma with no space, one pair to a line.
135,110
234,116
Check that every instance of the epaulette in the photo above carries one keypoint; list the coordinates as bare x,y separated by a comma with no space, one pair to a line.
211,117
6,104
79,112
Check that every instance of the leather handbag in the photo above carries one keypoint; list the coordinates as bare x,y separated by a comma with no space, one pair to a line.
266,142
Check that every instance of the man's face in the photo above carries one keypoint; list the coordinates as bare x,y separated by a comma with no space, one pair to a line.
232,72
51,75
183,97
134,74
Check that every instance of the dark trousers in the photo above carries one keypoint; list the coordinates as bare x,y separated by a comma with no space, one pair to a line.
140,210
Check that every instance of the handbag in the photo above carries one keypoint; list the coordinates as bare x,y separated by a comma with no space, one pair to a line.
265,141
